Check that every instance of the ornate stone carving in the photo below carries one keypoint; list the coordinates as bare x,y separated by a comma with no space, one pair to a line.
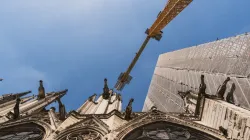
222,89
157,116
230,95
90,122
165,134
22,131
85,135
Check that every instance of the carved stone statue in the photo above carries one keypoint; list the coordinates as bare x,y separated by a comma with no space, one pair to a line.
16,109
62,110
105,93
129,109
222,89
230,95
119,97
41,91
184,94
189,99
202,92
203,86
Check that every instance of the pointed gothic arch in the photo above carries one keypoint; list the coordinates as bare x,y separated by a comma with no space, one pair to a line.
163,130
29,130
155,121
82,133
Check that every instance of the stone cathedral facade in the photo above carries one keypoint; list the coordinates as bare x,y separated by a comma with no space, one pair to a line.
101,118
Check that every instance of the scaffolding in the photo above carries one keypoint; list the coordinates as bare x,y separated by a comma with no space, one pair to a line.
180,71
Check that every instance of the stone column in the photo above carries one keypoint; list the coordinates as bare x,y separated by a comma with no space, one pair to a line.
53,118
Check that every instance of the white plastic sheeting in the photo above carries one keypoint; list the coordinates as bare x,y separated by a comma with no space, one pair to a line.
180,71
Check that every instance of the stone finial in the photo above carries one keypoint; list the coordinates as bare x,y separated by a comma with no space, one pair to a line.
41,91
105,93
230,95
222,89
128,110
1,79
16,108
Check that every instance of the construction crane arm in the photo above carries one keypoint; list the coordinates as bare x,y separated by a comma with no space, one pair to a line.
171,10
132,64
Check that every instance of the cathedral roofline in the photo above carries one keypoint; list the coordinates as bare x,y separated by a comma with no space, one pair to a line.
102,116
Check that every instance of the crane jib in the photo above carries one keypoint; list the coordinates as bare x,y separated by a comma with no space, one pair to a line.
171,10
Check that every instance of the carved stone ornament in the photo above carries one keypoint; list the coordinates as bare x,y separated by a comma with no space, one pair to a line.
90,123
86,135
157,116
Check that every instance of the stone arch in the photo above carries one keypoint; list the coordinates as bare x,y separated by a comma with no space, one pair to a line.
84,130
158,117
22,131
32,124
166,130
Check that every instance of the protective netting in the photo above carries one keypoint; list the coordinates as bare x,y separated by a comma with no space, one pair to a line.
181,70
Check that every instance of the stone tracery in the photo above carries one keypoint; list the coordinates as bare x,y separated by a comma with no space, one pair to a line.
85,135
29,131
166,131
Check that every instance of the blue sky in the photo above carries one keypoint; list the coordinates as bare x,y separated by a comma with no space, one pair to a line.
76,44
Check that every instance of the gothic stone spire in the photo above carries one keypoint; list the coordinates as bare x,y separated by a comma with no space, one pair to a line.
105,93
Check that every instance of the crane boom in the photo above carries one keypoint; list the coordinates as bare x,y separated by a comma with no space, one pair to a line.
171,10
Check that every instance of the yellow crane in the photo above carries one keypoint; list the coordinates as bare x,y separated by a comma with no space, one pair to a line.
171,10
